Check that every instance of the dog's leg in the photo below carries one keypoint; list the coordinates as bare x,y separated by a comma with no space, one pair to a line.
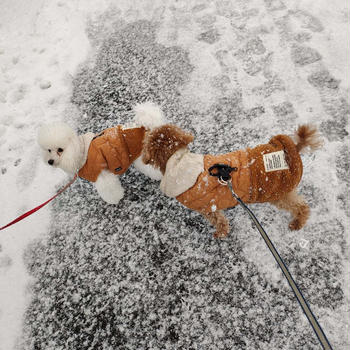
295,204
147,169
218,219
109,187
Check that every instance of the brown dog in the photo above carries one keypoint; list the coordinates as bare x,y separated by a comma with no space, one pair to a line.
266,173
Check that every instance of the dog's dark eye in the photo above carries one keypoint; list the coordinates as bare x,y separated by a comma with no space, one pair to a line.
60,150
49,150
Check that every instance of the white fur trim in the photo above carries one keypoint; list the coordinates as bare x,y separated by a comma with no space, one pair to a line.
86,139
109,187
149,115
181,173
147,169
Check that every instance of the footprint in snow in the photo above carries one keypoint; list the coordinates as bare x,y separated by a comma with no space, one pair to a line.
5,262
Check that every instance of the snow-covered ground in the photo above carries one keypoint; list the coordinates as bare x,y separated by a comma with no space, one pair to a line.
80,274
41,46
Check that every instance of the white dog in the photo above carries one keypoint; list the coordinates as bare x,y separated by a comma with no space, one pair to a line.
103,157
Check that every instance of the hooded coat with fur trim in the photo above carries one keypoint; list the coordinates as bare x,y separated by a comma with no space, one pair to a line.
251,182
114,149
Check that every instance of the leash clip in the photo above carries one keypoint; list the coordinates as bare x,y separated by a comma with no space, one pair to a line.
223,182
222,172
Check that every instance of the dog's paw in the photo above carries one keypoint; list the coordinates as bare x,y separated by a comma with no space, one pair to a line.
221,234
222,227
295,225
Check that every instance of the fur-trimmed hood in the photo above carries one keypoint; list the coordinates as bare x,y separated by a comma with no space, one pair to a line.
181,173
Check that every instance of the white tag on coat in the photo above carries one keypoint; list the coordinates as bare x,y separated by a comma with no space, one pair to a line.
275,161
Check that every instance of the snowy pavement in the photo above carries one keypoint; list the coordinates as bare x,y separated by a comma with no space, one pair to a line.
147,274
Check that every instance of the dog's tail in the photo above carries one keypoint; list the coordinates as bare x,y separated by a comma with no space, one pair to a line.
149,115
308,136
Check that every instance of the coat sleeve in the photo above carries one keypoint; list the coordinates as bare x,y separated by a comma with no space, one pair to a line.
116,152
112,158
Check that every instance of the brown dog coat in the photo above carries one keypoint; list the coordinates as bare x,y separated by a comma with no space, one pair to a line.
251,182
114,149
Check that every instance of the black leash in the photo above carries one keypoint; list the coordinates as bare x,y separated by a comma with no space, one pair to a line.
223,173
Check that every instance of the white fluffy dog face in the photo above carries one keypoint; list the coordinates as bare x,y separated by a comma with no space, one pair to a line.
61,146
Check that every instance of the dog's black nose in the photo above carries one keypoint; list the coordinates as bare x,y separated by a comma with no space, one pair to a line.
50,161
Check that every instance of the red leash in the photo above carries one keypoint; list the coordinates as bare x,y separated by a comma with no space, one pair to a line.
32,211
